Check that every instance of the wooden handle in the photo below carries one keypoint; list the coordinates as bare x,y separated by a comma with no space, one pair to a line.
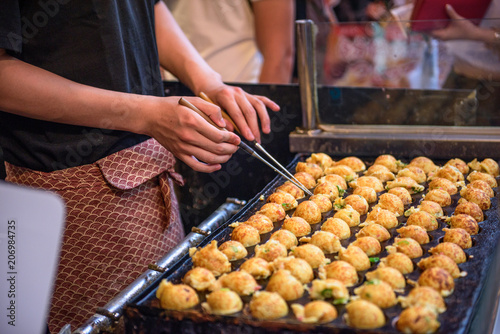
226,117
186,103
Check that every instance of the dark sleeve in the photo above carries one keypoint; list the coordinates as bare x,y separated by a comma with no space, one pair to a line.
10,25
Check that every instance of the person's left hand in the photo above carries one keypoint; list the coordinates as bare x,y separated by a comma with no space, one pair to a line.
458,28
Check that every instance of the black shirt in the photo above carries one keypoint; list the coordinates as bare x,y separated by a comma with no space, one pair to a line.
109,44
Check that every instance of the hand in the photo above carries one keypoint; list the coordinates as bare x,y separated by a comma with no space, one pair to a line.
458,28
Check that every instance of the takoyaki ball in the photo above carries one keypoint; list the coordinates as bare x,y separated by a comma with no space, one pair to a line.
328,242
246,235
488,166
285,284
345,171
363,314
475,175
199,278
240,282
457,236
315,312
349,215
262,223
297,225
426,297
286,200
310,168
367,193
424,163
292,189
354,162
414,172
267,305
445,184
176,297
273,211
335,179
311,253
386,218
388,161
321,159
423,219
306,179
308,210
405,182
406,246
476,196
417,233
417,319
392,203
380,172
338,227
234,250
403,194
357,202
340,270
355,256
453,251
390,275
222,302
450,173
440,196
398,261
298,267
440,261
471,209
464,221
438,279
328,189
323,202
271,250
287,238
211,258
367,181
459,164
431,207
482,185
374,230
329,288
369,245
378,292
257,267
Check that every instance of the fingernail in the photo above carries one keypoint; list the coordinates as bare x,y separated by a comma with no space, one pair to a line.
250,135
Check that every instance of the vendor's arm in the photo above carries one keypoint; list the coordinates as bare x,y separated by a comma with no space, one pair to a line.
179,57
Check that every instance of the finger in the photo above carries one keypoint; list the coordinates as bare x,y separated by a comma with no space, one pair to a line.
235,111
196,140
211,110
452,13
268,103
250,114
197,165
208,157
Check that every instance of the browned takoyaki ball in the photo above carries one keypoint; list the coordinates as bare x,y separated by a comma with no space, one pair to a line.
423,219
328,189
273,211
459,164
338,227
357,202
285,284
355,163
287,201
450,173
176,296
292,189
482,185
392,203
306,179
356,257
222,302
431,207
440,261
405,182
349,215
323,202
464,221
211,258
438,279
317,311
328,242
476,196
374,230
271,250
398,261
363,314
308,210
390,275
424,163
257,267
406,246
417,233
297,225
424,296
471,209
488,166
267,305
240,282
246,235
262,223
321,159
345,171
367,193
457,236
380,172
199,278
369,245
386,218
367,181
298,267
311,253
340,270
378,292
335,179
234,250
417,319
310,168
403,194
388,161
287,238
451,250
329,288
445,184
475,175
440,196
414,172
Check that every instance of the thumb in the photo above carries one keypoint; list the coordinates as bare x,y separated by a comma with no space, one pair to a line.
452,13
